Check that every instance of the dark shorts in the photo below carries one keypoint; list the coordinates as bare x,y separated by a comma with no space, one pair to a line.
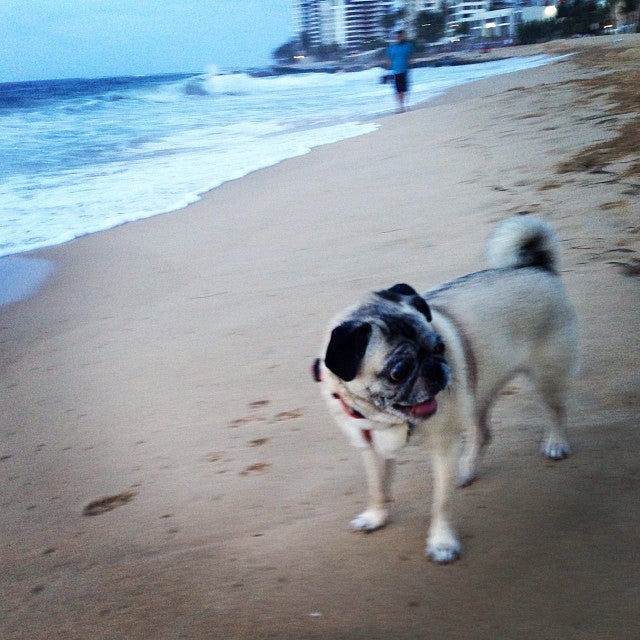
402,82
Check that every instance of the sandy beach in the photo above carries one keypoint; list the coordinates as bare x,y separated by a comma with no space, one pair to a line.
168,469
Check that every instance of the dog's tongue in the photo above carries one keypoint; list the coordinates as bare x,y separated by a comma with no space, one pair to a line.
424,408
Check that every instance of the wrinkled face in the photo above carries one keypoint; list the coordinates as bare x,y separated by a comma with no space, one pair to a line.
387,355
411,373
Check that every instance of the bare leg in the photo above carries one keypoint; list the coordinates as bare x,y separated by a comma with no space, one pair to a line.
379,473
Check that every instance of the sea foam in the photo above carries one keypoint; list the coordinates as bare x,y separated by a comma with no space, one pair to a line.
83,156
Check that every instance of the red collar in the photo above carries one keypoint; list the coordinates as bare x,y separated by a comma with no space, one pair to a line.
317,376
350,411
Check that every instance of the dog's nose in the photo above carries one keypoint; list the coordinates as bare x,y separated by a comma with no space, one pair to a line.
434,376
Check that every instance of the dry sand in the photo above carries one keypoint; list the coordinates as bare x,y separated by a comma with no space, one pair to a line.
168,469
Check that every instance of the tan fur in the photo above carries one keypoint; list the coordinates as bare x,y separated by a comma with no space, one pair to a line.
495,324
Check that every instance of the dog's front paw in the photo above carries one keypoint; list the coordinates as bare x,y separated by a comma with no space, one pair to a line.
443,546
556,450
444,553
369,520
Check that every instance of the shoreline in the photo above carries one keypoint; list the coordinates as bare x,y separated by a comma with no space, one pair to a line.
347,127
161,373
23,276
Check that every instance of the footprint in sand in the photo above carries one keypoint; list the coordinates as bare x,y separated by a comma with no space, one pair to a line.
628,268
238,422
282,415
255,467
510,390
256,404
108,503
288,415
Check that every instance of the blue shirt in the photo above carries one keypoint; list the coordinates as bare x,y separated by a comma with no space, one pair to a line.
400,54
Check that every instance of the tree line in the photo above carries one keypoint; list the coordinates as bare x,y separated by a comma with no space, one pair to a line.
577,17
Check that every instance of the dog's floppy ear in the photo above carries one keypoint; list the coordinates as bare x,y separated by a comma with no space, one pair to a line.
404,292
402,289
346,349
419,303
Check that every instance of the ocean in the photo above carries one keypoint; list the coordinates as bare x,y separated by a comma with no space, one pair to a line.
80,156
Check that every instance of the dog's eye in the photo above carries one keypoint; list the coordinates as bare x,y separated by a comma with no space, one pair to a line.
438,347
400,371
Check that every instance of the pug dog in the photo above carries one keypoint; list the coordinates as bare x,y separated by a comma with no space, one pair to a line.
400,361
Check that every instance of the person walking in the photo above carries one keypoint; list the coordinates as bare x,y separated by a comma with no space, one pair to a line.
399,55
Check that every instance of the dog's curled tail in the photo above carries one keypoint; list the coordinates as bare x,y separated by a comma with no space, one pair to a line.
523,241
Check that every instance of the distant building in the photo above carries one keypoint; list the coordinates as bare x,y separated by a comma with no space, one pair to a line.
495,18
347,23
350,24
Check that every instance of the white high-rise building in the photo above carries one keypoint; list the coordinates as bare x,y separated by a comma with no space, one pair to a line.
347,23
352,23
499,18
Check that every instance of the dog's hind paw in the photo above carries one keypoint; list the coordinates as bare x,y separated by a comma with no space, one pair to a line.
555,450
466,478
369,520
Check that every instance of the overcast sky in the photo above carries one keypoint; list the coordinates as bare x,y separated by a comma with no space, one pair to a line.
46,39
